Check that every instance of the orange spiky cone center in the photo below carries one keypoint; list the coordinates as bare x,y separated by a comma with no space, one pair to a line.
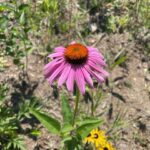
76,53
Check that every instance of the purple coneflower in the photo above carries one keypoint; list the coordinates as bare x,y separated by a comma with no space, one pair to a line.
75,63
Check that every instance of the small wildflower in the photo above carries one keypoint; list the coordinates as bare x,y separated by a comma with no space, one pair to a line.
106,146
75,63
97,137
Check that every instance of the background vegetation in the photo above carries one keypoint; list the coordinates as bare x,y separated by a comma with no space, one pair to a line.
29,30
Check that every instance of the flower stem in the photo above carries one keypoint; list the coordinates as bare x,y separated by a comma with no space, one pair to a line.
76,105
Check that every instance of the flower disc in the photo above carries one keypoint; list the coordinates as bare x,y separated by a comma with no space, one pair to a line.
76,53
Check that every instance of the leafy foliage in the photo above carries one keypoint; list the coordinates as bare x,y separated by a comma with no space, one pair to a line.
10,135
72,135
50,123
66,111
9,124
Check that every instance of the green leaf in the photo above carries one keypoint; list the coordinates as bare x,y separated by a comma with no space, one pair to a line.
24,7
4,6
87,125
66,111
66,129
16,143
87,120
65,139
36,132
16,61
3,23
22,18
51,124
50,5
119,61
72,143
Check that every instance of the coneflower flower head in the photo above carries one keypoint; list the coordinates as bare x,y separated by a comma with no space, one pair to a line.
75,63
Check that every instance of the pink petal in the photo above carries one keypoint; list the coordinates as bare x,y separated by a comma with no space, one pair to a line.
48,65
104,73
55,74
64,74
98,77
59,54
73,42
70,79
87,77
97,60
95,54
90,48
98,69
60,49
51,67
93,50
80,80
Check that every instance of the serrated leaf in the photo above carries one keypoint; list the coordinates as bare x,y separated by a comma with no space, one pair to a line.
51,124
84,129
66,111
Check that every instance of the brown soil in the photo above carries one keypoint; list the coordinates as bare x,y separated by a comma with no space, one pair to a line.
131,81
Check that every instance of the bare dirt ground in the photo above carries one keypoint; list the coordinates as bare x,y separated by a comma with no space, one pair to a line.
131,81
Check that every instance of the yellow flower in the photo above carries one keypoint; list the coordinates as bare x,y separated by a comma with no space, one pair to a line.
106,146
97,137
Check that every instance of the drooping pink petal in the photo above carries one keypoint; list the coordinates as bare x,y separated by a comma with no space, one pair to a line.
95,54
48,72
51,67
105,74
60,49
94,74
93,50
98,77
79,78
53,62
54,55
70,79
98,69
87,77
97,60
55,74
64,74
48,65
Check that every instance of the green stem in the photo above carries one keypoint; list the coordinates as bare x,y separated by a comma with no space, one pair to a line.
92,108
76,105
